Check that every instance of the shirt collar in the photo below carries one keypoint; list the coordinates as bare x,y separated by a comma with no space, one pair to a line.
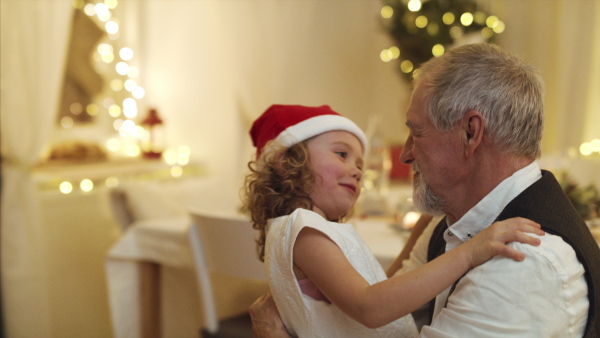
487,210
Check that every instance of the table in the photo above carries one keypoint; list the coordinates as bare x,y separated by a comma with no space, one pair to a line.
152,269
385,240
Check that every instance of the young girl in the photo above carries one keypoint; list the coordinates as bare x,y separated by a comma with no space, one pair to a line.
324,279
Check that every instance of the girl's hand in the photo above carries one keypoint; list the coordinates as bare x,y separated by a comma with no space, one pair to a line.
493,240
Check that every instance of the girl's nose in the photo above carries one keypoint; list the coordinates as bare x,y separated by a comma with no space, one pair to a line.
356,173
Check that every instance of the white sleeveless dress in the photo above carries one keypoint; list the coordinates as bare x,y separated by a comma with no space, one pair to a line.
304,316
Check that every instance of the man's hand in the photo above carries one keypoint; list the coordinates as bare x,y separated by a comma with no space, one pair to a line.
266,322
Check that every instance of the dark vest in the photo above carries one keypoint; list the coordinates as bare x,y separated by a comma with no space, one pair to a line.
545,203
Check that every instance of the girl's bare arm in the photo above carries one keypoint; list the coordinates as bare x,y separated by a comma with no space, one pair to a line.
327,267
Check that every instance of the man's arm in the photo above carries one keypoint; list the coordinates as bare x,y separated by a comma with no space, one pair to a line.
266,322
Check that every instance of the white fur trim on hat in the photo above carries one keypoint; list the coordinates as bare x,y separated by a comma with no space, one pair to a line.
318,125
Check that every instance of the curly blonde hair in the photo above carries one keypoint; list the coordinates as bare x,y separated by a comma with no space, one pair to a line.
277,184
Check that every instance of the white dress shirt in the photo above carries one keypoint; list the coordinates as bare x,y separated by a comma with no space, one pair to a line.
543,296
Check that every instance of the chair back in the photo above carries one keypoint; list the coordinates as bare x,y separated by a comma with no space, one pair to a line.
228,240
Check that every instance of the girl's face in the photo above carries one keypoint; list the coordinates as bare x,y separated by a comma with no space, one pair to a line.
336,161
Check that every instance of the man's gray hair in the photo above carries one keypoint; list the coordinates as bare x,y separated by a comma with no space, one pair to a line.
507,91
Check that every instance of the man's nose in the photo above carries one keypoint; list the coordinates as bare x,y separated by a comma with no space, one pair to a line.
406,156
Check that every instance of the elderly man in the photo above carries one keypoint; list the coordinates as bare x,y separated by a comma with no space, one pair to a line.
476,120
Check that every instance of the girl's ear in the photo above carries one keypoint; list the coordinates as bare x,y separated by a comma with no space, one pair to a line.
473,125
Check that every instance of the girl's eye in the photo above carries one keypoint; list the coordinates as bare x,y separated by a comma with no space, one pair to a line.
342,154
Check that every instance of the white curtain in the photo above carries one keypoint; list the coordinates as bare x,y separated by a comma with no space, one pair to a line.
33,44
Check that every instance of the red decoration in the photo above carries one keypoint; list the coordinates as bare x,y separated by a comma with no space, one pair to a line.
153,142
399,171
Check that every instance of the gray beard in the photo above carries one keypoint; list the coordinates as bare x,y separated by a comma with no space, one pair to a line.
424,198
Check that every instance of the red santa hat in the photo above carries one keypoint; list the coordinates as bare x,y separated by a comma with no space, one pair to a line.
292,124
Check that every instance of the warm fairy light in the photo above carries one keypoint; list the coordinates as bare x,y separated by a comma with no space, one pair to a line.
406,66
433,29
118,106
138,92
130,85
78,4
111,27
92,109
107,102
456,32
140,132
183,160
416,73
387,12
114,110
86,185
116,85
385,55
170,156
113,144
104,16
487,32
421,21
89,9
107,58
395,52
127,128
492,21
132,150
65,187
117,124
448,18
176,171
479,17
133,72
595,143
104,48
111,182
76,108
101,9
184,150
122,68
499,27
126,53
588,148
66,122
414,5
183,157
130,108
111,4
585,149
410,219
438,50
466,19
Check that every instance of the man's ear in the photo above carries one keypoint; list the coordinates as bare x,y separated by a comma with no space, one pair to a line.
473,125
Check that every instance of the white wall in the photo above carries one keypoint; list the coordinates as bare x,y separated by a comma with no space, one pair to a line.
211,67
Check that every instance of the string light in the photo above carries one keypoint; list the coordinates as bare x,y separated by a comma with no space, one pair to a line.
414,5
86,185
589,148
120,100
418,26
65,187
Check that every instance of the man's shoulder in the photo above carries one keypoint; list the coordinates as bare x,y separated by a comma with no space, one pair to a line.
553,252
